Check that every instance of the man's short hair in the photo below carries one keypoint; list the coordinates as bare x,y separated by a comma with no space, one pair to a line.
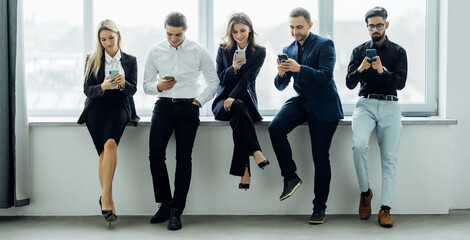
176,19
301,12
376,12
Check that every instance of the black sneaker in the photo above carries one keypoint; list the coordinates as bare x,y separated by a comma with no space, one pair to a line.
163,213
318,217
175,219
290,187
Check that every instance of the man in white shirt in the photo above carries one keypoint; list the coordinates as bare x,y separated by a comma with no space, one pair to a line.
172,73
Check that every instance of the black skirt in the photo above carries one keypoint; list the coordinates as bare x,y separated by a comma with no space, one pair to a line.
106,119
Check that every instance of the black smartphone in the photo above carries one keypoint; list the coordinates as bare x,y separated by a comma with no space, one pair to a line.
170,78
371,53
282,57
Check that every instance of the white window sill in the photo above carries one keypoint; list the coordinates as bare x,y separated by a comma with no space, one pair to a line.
210,121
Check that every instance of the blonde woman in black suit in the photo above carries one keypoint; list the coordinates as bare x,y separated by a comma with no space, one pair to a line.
110,83
236,99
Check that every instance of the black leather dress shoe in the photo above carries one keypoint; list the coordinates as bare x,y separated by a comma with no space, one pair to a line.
318,217
290,187
175,219
162,214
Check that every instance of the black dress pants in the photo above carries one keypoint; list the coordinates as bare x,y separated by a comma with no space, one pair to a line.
183,118
291,115
244,136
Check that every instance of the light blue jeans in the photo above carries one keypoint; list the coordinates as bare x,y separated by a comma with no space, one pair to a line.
386,116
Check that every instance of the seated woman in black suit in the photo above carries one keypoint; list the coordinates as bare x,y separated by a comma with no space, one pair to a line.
239,60
110,83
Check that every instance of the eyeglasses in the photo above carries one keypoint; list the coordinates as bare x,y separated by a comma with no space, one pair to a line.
379,26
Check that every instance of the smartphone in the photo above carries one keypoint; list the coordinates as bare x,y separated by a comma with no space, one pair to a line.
239,54
371,53
170,78
282,57
113,73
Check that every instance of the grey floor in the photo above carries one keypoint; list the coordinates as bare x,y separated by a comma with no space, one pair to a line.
455,225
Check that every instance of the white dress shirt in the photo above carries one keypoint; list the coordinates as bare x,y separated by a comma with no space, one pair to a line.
186,64
113,64
244,49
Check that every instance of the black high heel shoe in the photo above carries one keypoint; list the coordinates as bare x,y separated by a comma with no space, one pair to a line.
263,164
245,186
108,215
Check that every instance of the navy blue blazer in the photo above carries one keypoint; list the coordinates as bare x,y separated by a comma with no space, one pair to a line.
242,84
92,87
315,81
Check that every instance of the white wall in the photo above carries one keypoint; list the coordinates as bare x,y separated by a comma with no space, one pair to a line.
65,181
432,172
457,103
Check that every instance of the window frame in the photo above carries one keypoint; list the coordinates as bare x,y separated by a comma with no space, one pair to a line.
325,23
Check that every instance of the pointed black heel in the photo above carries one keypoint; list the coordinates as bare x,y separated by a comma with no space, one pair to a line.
245,186
108,215
263,164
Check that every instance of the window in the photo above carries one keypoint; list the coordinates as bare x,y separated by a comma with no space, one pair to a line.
56,43
53,42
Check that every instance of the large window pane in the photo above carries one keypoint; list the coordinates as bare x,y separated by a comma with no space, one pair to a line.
53,54
271,22
407,28
141,23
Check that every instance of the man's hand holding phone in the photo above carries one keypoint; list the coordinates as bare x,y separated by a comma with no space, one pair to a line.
167,83
377,64
371,60
286,64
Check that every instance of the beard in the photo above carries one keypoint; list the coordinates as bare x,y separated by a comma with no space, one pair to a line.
301,37
377,38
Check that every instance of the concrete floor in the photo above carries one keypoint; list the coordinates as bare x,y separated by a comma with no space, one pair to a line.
455,225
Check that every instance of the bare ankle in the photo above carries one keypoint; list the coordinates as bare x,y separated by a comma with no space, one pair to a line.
258,156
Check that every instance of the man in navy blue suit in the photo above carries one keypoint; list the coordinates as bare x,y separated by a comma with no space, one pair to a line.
310,63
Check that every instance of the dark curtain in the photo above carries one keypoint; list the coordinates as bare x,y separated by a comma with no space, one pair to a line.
8,44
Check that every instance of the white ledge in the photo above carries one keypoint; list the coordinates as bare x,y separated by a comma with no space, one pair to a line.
210,121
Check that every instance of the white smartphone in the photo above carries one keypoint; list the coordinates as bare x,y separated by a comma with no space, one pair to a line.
239,54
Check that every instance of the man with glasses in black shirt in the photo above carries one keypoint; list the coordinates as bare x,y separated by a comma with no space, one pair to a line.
381,67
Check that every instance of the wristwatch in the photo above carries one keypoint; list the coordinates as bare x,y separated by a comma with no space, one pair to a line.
197,103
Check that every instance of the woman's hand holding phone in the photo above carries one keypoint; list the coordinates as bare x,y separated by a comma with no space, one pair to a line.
114,79
238,60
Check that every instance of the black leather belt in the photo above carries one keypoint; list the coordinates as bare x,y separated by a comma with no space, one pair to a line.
382,97
175,99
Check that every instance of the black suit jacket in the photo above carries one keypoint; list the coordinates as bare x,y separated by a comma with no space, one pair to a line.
92,87
242,84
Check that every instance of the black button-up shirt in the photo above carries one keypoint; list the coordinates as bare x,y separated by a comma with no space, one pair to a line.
393,58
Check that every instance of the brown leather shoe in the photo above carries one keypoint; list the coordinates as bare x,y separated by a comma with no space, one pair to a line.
385,219
364,206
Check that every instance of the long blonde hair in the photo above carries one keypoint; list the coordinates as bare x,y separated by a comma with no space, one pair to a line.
242,18
94,60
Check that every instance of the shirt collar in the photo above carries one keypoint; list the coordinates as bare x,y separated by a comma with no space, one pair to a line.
244,49
182,45
310,38
386,43
117,57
